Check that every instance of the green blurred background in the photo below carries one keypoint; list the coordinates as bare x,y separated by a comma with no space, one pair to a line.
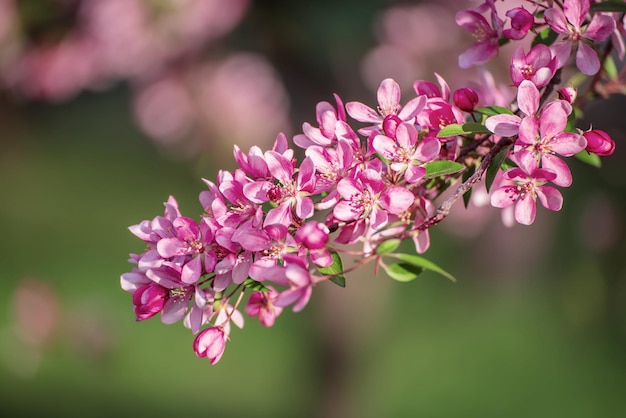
535,326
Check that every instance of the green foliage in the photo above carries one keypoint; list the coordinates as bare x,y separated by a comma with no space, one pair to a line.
546,37
494,110
609,6
496,164
250,283
403,272
589,158
388,246
335,270
421,262
442,168
466,128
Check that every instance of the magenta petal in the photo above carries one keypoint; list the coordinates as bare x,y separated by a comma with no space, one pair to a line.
412,108
256,191
503,197
385,146
528,97
553,120
478,53
568,144
304,207
550,197
525,210
414,173
557,166
562,51
503,125
396,199
557,20
587,59
279,215
388,94
575,11
344,211
428,149
174,310
170,247
192,270
280,167
361,112
600,28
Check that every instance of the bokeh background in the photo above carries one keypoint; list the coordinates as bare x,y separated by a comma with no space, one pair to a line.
106,111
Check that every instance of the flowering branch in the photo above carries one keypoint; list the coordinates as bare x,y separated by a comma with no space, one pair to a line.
375,185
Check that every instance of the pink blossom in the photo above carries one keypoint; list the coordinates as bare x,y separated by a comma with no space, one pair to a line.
149,300
521,22
367,197
210,344
405,155
388,104
261,304
327,117
486,34
570,22
541,138
522,186
537,66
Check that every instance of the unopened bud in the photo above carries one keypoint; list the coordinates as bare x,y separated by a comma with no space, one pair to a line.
465,99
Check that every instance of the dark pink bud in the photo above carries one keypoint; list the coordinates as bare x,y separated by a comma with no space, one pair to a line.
313,235
390,124
599,142
568,94
149,301
521,22
465,99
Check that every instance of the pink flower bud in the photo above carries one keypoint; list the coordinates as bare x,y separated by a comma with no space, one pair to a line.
390,124
149,301
313,235
210,343
521,22
465,99
568,94
599,142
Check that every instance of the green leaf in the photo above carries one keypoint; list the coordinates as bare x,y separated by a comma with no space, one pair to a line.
494,110
254,285
403,272
335,270
466,175
589,158
546,37
610,68
462,129
442,168
609,6
495,165
418,261
388,246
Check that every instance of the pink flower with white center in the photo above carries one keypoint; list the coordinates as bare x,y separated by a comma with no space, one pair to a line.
388,104
521,22
210,344
405,154
368,197
537,66
190,240
241,209
486,34
261,304
327,118
289,195
541,138
522,186
570,22
331,164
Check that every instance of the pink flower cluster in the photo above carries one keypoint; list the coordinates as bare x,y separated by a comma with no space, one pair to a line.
277,226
